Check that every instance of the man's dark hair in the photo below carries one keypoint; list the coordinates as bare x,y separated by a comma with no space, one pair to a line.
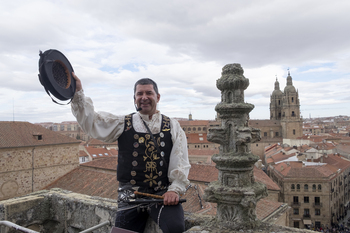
146,81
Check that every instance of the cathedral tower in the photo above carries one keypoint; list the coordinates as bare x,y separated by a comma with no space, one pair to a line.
276,103
285,106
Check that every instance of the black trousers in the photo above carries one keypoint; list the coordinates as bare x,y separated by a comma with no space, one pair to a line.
169,218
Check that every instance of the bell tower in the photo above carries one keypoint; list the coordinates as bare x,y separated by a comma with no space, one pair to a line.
276,102
291,121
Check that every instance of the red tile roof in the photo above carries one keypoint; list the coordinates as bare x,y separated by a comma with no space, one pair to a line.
97,153
203,173
22,134
103,184
104,163
82,153
96,142
297,170
89,182
208,152
266,207
262,177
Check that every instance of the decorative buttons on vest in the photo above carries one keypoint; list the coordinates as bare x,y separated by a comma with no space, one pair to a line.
162,153
134,163
135,154
161,163
136,145
136,136
141,140
161,134
132,182
133,173
162,144
160,173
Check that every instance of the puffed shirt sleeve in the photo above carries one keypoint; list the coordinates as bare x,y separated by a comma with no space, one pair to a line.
100,125
179,165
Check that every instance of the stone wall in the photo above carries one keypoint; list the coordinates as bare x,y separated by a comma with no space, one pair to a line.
28,169
58,211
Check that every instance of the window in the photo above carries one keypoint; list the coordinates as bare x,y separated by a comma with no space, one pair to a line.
306,213
306,199
306,187
298,187
293,114
279,103
265,134
313,188
296,224
276,134
296,211
292,187
296,199
199,128
317,224
317,212
204,128
292,99
194,129
293,131
319,188
317,200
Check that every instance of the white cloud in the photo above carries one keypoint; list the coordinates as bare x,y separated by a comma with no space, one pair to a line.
182,45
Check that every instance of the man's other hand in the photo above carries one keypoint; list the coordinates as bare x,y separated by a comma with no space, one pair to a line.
78,84
171,198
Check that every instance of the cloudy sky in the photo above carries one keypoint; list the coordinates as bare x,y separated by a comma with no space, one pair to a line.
183,46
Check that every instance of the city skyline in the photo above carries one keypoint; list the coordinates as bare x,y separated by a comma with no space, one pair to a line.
183,46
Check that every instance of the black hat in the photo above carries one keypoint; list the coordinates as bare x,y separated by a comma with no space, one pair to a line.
55,74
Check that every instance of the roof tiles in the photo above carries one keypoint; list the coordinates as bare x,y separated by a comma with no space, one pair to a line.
23,134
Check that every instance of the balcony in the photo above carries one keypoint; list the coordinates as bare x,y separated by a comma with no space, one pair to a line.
317,204
295,204
306,216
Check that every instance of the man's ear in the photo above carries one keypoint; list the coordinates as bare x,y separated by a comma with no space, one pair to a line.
158,97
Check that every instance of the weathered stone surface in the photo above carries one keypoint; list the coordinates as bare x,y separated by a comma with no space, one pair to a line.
236,192
58,211
214,227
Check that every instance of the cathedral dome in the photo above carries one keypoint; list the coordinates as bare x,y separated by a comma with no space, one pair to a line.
289,87
277,91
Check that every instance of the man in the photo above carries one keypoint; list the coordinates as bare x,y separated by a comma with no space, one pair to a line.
152,157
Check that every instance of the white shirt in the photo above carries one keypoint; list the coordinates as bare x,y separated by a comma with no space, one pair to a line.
108,127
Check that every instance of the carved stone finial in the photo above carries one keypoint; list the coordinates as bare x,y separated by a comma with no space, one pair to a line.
235,191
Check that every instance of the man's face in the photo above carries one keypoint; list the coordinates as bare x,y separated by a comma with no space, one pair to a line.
146,98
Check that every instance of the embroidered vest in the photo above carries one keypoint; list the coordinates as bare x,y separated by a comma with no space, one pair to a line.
138,160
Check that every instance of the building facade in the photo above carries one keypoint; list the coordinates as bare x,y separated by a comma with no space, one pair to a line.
285,118
318,191
33,157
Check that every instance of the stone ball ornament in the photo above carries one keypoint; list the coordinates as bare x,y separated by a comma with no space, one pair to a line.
55,74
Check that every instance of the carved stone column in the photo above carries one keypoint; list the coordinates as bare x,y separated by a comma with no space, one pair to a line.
235,192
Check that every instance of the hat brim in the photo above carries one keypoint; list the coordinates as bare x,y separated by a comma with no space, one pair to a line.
56,74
